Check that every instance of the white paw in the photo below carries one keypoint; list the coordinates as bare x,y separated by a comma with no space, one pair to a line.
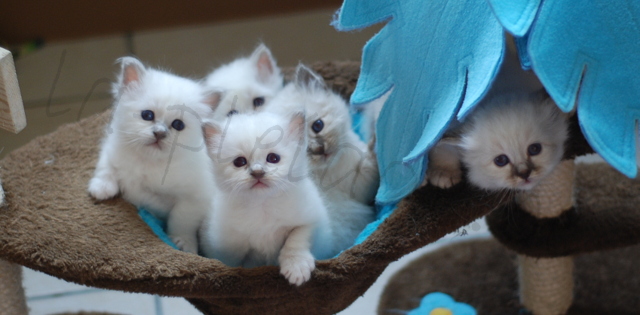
444,177
296,266
185,244
101,188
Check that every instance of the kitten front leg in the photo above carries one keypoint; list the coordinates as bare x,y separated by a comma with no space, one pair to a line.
184,221
103,185
444,168
295,259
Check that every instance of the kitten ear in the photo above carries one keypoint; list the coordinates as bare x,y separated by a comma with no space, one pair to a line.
132,71
451,141
296,129
212,133
305,78
264,63
212,98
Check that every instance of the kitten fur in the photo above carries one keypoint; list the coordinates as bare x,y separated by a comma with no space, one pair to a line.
265,213
152,163
244,81
342,166
505,124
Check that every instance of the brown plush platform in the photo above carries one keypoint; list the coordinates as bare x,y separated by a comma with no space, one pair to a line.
606,215
483,274
50,224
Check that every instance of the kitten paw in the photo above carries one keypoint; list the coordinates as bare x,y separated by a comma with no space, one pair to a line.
297,266
185,245
443,178
101,188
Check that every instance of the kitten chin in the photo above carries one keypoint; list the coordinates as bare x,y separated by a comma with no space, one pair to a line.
510,141
248,83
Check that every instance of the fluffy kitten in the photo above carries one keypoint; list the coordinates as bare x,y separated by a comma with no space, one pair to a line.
153,152
267,210
248,82
342,166
510,141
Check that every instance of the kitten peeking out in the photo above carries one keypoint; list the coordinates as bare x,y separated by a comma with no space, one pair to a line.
247,82
510,141
267,211
153,151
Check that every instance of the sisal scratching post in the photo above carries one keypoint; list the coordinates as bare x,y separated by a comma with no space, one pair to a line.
12,301
546,284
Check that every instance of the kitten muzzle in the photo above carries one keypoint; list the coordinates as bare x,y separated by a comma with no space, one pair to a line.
159,132
256,171
523,171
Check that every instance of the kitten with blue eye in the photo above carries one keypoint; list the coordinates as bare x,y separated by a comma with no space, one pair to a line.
343,167
267,211
153,151
247,82
510,141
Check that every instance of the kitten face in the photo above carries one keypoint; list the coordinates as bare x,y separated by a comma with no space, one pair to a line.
157,110
256,153
513,142
248,83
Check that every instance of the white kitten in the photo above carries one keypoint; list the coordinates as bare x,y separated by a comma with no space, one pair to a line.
247,82
154,152
343,167
510,141
267,210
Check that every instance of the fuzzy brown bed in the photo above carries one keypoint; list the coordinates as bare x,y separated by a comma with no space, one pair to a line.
483,274
50,224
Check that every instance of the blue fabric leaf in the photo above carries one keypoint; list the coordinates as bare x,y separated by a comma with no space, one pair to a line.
591,55
440,57
516,15
585,51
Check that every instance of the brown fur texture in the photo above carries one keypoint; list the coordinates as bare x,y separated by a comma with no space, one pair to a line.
50,224
483,274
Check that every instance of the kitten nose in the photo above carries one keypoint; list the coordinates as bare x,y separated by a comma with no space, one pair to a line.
523,171
160,134
256,171
159,131
316,147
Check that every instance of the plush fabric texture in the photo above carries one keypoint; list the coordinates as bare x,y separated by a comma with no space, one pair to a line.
482,273
584,53
51,224
605,216
439,57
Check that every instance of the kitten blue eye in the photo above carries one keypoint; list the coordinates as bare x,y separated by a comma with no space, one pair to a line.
240,161
147,115
273,158
534,149
232,112
258,101
317,126
177,124
501,160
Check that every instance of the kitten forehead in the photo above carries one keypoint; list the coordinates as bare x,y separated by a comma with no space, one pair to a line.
260,131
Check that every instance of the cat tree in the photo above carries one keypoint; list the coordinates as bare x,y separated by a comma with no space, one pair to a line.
12,118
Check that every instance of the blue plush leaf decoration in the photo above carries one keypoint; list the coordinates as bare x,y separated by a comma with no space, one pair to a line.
440,56
586,52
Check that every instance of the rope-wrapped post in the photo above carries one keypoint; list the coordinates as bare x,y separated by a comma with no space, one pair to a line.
546,284
12,301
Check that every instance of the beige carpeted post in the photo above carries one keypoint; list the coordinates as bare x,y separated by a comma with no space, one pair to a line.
12,300
546,284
